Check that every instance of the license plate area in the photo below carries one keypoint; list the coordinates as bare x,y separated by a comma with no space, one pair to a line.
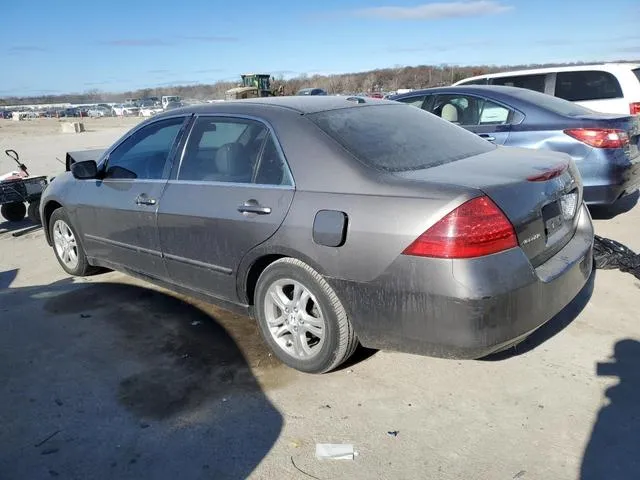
559,215
552,216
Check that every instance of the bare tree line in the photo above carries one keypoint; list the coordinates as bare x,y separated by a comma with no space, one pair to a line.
383,80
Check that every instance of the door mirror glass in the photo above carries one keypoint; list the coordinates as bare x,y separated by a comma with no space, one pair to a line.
85,170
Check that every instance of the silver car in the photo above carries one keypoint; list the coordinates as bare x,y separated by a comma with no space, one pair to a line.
334,221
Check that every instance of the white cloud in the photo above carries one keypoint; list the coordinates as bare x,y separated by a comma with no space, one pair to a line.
433,11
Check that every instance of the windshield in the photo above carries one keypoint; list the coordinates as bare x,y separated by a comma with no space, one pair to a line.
399,137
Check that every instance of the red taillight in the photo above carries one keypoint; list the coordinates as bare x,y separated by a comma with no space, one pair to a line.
600,137
476,228
634,108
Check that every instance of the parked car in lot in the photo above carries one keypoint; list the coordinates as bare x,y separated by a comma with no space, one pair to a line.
125,110
311,91
607,88
604,146
150,110
333,221
98,111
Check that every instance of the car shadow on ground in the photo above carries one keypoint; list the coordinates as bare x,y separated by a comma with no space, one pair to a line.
613,451
554,326
7,278
158,360
17,228
624,205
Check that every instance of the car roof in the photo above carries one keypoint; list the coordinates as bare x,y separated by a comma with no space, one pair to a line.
490,90
299,104
609,67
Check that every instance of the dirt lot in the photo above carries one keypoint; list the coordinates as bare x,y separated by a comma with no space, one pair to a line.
108,377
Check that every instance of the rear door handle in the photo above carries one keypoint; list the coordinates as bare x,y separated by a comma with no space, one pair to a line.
486,136
252,206
142,199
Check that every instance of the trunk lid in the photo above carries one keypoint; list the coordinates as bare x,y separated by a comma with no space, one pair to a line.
540,193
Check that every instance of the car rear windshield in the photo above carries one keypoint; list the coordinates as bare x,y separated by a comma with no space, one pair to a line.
554,104
637,72
587,85
398,138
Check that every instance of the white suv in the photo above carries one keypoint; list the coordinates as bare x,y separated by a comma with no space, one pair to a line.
607,88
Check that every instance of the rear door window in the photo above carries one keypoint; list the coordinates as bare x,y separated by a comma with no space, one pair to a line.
398,138
587,85
637,72
232,150
468,110
531,82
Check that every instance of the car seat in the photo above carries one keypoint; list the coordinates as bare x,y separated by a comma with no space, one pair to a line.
233,163
450,113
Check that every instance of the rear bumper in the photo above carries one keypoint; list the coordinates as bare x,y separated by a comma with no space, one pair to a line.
466,308
608,176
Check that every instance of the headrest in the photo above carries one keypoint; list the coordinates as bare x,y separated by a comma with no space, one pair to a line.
450,113
231,160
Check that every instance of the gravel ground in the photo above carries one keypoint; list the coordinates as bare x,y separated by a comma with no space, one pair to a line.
109,377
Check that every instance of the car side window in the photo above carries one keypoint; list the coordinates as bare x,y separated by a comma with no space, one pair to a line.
531,82
415,101
493,114
143,155
232,150
271,168
587,85
467,110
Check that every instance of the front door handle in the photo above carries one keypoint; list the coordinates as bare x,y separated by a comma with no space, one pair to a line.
142,199
252,206
487,136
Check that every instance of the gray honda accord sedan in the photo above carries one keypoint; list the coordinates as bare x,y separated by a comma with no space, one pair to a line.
334,222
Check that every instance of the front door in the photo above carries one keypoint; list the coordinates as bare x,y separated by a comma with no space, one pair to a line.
232,191
481,116
117,214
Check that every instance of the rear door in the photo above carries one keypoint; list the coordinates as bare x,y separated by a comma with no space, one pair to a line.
231,192
479,115
117,214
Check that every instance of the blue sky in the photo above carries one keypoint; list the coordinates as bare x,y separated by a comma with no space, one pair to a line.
60,46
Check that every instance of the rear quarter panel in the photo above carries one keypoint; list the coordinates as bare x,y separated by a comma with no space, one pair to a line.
379,229
545,138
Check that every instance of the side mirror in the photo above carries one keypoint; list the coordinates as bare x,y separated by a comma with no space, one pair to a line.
85,170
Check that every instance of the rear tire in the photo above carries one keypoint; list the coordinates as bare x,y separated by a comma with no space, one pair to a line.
301,318
13,212
67,246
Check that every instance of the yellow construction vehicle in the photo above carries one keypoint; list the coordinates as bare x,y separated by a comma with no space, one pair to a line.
254,85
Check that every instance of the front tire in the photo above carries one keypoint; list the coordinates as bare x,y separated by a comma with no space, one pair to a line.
67,247
301,318
13,212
